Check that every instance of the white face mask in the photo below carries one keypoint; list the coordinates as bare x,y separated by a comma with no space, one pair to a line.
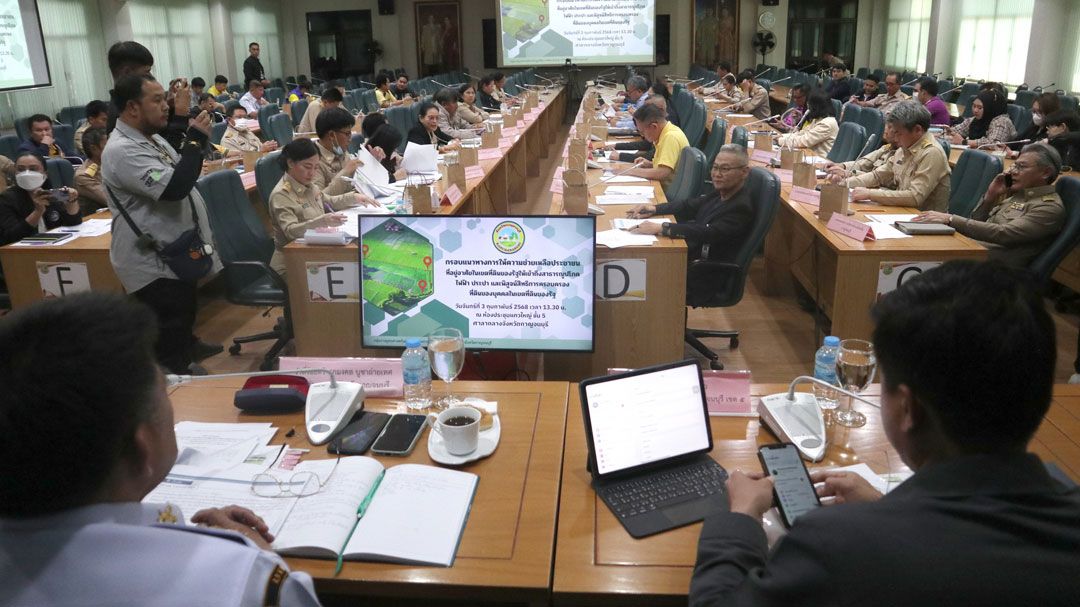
30,180
338,151
1037,118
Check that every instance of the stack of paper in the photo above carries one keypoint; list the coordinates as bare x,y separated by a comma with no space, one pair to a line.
614,239
646,191
621,223
603,199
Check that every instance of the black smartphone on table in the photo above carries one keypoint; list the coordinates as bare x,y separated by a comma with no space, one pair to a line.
357,437
795,494
400,434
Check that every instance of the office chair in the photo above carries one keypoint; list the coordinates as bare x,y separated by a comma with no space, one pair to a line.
713,143
1025,98
725,282
368,102
60,172
281,129
265,112
356,142
229,105
274,94
297,110
245,250
850,140
973,173
871,145
688,175
72,114
873,121
693,123
945,146
9,146
1043,266
403,118
837,107
217,132
1020,117
682,102
267,174
64,134
850,113
739,136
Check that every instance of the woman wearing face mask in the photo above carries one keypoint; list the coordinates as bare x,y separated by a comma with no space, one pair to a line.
1044,105
297,205
334,128
989,123
33,205
1063,131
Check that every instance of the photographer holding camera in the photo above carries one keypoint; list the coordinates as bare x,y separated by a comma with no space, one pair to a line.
33,206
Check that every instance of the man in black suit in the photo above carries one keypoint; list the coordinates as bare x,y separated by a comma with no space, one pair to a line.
966,361
253,68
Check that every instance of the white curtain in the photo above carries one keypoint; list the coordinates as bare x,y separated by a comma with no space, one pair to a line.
992,43
257,21
78,67
907,34
177,32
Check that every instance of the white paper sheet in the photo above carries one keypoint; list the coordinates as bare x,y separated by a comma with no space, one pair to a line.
605,199
622,223
631,190
890,218
614,239
420,159
885,231
625,179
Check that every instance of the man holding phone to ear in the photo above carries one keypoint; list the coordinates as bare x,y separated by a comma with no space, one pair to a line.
966,361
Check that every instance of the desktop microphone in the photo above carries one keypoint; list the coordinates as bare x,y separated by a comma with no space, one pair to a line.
796,417
1040,88
774,116
910,82
440,84
756,76
782,79
371,84
613,176
955,88
988,145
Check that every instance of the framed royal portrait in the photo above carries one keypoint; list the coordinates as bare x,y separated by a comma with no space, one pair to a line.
715,36
438,37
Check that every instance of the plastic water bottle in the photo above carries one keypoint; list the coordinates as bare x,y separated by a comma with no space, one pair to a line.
416,371
825,370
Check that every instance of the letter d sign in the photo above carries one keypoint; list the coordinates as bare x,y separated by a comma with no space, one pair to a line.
621,280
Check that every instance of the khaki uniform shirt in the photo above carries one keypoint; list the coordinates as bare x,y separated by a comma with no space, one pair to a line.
307,123
886,102
1019,227
473,114
455,126
91,190
240,141
330,166
817,136
78,138
756,103
918,176
870,161
295,209
7,172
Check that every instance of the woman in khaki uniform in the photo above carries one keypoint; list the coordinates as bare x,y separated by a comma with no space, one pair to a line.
297,205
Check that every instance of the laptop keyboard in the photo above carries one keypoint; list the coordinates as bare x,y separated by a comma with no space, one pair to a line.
661,489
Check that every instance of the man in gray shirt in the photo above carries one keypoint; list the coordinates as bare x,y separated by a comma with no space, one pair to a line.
156,187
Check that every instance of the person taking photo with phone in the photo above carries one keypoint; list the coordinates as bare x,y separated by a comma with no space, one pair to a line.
33,206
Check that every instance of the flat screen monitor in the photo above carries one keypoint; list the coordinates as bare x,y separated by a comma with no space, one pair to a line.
23,62
508,283
587,32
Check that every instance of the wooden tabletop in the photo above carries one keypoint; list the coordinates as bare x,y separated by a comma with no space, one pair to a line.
507,550
598,563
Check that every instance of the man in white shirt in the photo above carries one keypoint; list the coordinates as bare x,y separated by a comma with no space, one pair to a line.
253,99
73,530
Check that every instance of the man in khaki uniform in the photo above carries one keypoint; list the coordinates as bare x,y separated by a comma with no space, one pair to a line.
756,98
892,96
1016,222
334,128
331,97
7,172
239,139
919,172
840,171
97,115
88,175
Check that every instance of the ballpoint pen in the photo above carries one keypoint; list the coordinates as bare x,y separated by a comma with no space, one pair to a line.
360,511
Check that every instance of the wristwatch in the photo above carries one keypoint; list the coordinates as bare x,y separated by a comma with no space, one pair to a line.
665,228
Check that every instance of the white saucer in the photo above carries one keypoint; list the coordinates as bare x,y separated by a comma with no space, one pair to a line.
489,439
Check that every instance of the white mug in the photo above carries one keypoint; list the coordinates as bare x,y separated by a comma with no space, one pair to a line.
459,440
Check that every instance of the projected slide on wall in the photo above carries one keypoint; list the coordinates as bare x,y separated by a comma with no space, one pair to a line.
22,50
507,283
588,32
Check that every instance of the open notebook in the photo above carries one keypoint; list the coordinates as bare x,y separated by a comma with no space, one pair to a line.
415,514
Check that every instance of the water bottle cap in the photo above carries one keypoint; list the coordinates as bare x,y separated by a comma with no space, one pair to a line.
412,342
832,341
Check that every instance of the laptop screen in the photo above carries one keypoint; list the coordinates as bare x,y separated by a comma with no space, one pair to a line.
647,417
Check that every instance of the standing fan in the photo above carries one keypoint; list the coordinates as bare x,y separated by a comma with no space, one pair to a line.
763,42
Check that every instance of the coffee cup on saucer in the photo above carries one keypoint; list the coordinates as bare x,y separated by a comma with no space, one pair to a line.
459,428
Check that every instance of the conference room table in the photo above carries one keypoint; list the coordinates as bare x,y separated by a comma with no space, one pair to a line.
537,533
23,265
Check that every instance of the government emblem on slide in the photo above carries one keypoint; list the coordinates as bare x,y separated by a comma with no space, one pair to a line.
508,237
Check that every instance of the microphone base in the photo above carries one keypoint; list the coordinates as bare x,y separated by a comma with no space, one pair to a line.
798,421
330,409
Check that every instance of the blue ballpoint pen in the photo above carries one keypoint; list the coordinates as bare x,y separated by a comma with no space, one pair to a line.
360,510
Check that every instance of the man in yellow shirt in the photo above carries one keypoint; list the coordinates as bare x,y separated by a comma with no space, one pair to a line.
652,123
221,83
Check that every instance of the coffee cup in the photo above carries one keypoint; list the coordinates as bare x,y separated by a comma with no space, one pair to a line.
459,428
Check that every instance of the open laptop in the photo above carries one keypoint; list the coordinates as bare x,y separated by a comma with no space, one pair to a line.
649,441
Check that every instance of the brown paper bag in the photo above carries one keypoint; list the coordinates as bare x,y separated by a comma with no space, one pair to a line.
490,139
469,156
763,141
250,158
834,199
802,175
510,118
455,175
577,154
420,196
575,192
788,157
600,129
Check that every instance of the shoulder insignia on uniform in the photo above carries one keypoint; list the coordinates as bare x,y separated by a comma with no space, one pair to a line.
1049,198
167,515
272,597
286,186
91,169
1017,206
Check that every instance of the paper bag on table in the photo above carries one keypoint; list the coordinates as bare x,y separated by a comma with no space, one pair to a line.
803,175
763,140
788,157
250,158
420,196
469,156
575,192
577,154
455,175
490,137
834,199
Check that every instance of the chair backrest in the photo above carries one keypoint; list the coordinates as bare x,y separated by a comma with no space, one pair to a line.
217,131
683,102
281,129
356,142
22,128
1068,102
715,140
267,174
873,121
693,125
229,105
1025,98
837,106
9,146
1043,266
880,73
739,136
945,146
688,174
872,143
64,135
855,85
368,102
765,84
60,172
862,72
72,114
973,173
1020,116
274,94
947,85
265,112
403,118
728,286
851,113
850,140
297,110
235,88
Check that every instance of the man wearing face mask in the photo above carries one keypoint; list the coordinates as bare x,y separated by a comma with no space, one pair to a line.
334,127
238,138
32,206
155,187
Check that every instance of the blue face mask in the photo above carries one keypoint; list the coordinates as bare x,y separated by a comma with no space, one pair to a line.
338,151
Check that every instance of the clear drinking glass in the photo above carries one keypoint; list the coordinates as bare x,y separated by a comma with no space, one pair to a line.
855,368
446,349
